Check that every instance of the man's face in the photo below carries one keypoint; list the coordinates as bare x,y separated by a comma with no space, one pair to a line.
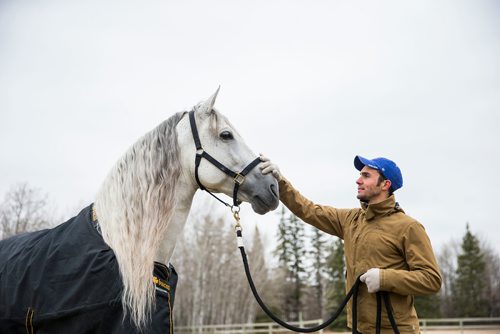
370,190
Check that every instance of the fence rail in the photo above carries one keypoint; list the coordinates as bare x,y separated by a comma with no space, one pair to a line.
457,325
255,328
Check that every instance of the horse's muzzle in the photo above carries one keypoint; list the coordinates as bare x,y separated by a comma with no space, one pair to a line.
266,197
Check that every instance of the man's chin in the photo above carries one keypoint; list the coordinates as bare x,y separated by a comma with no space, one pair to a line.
362,198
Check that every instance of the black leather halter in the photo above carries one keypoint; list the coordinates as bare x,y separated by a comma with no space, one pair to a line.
238,178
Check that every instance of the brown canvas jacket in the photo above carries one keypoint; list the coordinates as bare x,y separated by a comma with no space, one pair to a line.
376,236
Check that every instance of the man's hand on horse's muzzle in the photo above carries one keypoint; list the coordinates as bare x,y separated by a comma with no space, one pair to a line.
372,279
268,167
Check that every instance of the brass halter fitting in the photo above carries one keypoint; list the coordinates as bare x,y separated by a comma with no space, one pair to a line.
239,179
236,215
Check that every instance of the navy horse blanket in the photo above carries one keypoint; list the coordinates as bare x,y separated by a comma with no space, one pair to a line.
66,280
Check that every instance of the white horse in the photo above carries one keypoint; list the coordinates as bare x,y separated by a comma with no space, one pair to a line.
144,201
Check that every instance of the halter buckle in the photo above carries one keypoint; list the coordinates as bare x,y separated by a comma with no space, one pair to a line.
239,179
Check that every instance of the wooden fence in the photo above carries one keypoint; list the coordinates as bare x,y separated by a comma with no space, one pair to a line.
255,328
427,326
460,325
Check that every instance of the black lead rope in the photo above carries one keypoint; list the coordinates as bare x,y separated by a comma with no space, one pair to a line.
352,293
388,307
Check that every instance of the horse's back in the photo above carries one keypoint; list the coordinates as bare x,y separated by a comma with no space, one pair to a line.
57,275
66,280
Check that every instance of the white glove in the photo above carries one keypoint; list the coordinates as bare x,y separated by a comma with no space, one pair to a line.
372,279
268,167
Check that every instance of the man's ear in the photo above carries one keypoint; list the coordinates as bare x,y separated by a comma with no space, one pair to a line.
387,185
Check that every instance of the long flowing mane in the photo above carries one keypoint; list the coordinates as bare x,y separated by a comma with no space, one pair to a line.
134,206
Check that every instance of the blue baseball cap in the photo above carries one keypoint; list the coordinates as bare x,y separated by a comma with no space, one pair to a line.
385,166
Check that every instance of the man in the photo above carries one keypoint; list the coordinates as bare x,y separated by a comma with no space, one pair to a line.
390,250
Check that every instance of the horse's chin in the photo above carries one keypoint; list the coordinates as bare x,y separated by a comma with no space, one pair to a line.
262,207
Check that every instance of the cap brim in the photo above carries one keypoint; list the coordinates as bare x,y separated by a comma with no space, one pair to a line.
360,162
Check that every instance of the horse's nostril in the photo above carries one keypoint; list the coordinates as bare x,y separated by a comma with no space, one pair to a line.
273,190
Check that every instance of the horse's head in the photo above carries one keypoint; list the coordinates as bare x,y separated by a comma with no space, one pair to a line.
220,140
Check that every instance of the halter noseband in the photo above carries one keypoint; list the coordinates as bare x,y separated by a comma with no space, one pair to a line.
238,178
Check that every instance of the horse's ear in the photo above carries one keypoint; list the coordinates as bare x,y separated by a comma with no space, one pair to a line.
207,106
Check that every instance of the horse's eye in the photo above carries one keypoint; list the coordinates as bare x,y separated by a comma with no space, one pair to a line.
226,135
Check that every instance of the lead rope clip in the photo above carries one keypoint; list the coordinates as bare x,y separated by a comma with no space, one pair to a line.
236,215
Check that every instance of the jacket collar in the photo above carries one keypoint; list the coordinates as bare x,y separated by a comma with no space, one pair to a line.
380,209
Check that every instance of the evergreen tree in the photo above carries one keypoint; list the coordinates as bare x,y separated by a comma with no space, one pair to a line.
318,256
469,287
291,253
283,253
256,255
428,306
492,280
256,259
296,265
335,293
283,247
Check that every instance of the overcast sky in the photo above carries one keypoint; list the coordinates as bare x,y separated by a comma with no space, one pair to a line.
308,83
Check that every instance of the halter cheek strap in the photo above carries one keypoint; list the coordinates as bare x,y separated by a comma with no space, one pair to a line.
238,178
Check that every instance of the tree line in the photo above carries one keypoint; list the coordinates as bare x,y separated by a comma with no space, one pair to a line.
303,279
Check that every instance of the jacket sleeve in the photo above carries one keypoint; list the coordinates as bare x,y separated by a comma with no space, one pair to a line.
326,218
423,276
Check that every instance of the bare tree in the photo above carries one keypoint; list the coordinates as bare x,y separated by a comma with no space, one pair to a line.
259,270
212,285
24,209
447,259
492,278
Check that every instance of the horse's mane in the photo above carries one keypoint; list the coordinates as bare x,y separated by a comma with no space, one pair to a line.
134,206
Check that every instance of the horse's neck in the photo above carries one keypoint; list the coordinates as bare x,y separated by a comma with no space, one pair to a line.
185,193
185,190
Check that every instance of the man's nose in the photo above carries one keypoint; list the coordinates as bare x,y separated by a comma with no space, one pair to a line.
358,181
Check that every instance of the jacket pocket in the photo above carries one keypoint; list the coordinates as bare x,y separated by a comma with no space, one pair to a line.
405,314
401,305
